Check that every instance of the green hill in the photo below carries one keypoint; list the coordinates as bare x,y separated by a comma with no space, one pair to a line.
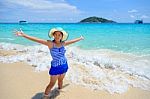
96,20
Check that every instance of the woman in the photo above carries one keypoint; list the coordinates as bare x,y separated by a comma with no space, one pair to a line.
59,65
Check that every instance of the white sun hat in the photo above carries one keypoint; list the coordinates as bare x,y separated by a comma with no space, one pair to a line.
65,34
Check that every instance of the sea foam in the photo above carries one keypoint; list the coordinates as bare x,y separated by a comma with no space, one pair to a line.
97,69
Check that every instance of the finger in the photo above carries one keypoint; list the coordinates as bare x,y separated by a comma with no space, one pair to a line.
82,37
16,34
21,30
14,31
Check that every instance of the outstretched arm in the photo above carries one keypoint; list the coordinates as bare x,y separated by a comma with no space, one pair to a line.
20,33
73,40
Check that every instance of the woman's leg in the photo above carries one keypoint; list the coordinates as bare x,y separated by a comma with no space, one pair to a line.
60,80
53,80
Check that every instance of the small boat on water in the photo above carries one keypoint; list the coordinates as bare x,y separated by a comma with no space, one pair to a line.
138,22
23,22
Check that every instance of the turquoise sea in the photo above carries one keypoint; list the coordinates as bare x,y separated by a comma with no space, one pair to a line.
108,57
128,38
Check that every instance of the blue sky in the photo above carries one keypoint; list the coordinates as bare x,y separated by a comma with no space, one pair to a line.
73,10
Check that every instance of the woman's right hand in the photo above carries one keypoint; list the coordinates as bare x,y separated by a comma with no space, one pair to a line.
19,33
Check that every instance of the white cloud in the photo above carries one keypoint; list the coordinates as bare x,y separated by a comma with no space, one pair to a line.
133,11
38,10
132,16
56,5
144,16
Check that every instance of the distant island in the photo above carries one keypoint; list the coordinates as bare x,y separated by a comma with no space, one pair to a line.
96,20
138,22
23,22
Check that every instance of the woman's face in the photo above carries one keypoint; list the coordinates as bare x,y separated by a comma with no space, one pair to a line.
57,35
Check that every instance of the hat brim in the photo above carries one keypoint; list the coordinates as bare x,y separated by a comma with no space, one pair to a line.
65,34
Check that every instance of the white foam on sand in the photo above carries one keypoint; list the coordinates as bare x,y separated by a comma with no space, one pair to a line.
37,56
109,70
97,69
